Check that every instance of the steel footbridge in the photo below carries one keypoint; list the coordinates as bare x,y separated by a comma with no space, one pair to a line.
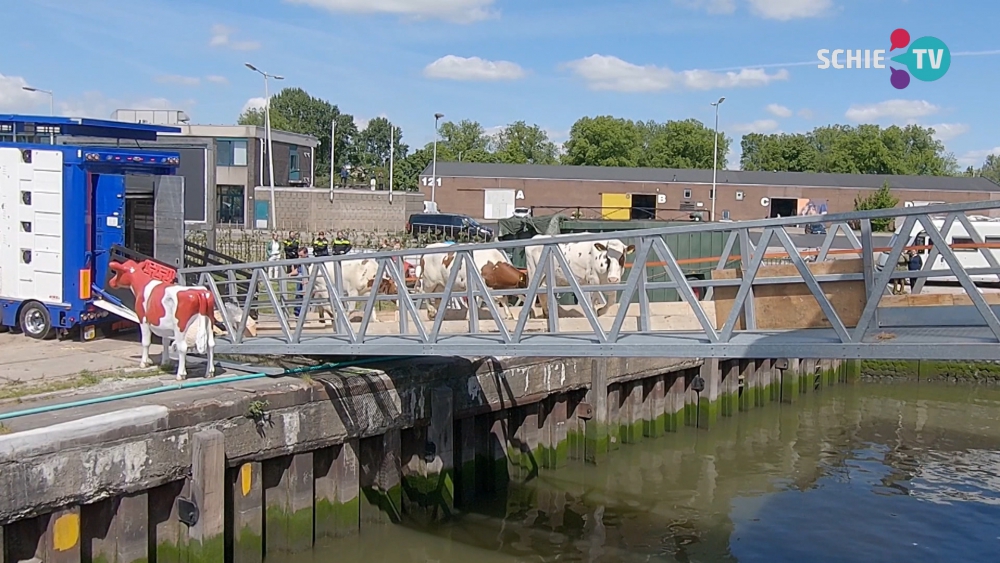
822,303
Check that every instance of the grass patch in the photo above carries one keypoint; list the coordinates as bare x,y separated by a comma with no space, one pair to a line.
85,378
4,429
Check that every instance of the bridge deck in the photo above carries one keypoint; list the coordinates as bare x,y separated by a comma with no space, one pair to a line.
827,308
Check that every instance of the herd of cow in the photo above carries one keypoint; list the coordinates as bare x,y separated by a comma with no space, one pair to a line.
186,315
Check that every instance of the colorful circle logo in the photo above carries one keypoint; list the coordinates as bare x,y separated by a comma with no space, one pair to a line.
927,59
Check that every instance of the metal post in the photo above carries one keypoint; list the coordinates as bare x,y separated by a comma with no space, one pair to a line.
715,155
434,162
392,155
333,144
267,133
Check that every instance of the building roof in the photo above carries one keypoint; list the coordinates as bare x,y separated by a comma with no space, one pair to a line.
700,176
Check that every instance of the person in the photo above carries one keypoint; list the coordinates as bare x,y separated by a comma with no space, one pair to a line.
341,245
273,254
899,284
321,246
300,272
915,264
291,245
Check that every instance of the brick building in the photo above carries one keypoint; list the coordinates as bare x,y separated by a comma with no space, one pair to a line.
311,210
492,191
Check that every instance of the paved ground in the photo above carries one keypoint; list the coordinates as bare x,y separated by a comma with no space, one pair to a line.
29,361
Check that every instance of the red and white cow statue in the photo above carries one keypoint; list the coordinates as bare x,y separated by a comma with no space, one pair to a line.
182,314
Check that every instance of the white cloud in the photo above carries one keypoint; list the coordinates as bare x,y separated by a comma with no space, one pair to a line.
895,110
976,158
451,67
805,113
603,72
222,37
178,79
779,110
216,79
784,10
99,106
362,122
759,126
15,99
948,131
710,6
458,11
254,103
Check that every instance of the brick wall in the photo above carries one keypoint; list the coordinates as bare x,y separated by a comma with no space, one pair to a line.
310,209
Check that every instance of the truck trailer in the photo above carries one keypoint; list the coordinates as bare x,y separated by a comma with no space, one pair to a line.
63,212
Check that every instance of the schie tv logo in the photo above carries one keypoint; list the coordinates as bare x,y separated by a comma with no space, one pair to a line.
927,59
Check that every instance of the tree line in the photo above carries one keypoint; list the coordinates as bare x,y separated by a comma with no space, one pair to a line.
608,141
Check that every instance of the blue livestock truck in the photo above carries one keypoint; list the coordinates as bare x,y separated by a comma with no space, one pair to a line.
63,214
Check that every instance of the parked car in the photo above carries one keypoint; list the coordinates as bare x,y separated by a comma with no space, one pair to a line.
522,212
815,229
449,225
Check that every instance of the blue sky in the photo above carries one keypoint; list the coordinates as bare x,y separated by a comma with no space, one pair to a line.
496,61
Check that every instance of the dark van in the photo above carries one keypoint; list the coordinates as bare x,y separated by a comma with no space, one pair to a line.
448,225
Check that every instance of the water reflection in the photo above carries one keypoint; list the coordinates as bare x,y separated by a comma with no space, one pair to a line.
874,473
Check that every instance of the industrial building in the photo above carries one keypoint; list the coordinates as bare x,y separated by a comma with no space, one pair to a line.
492,192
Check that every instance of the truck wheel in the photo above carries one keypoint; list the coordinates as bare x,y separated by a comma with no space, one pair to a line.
35,321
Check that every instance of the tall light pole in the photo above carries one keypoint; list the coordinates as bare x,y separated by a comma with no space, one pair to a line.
267,135
434,163
715,154
52,136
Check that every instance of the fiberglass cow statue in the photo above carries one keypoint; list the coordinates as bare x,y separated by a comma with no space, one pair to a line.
591,263
358,278
494,266
183,314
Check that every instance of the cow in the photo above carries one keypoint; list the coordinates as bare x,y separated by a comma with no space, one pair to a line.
494,266
183,314
358,279
591,263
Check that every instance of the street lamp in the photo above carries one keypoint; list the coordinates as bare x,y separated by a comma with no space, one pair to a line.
715,154
267,135
52,138
434,162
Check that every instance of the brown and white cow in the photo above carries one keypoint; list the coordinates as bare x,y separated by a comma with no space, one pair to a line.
358,278
591,263
182,314
493,265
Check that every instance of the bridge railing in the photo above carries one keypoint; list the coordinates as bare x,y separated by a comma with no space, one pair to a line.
290,309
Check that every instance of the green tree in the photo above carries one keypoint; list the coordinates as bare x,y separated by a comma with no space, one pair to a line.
784,152
295,111
371,145
989,170
463,137
881,198
520,143
604,141
681,144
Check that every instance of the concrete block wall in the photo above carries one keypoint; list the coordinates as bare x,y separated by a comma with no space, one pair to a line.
310,209
325,463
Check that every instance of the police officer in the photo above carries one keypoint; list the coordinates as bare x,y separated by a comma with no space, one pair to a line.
321,246
341,245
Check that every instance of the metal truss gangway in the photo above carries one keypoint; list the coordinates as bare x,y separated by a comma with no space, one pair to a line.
959,328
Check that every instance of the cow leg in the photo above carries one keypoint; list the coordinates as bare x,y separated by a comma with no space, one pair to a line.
147,340
182,348
609,299
210,371
502,300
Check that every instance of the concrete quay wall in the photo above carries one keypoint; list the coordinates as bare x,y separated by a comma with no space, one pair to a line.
240,471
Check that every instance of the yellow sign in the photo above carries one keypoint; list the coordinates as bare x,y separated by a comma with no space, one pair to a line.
616,207
246,478
66,532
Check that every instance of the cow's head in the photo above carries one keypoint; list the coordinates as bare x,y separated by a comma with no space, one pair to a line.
124,274
611,258
385,287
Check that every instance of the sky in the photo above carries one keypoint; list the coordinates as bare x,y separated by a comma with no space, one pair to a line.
547,62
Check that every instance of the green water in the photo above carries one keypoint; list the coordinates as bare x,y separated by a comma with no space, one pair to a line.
873,473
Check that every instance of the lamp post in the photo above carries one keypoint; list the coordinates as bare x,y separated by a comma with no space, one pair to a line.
715,154
267,135
52,137
434,162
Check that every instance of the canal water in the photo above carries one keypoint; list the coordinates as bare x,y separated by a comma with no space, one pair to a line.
876,473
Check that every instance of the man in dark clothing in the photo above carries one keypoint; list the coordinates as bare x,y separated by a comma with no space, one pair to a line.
321,246
914,265
341,245
300,272
291,245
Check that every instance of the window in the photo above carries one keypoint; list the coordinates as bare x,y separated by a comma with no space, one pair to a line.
231,152
740,196
230,205
687,194
293,164
963,240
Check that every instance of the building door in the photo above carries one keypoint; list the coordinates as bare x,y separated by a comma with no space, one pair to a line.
644,207
498,204
230,205
616,207
784,207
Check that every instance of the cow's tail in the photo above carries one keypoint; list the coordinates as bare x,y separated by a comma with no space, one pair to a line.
203,330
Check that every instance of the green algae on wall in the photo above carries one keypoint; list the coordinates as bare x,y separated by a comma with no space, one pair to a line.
932,370
192,551
337,519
